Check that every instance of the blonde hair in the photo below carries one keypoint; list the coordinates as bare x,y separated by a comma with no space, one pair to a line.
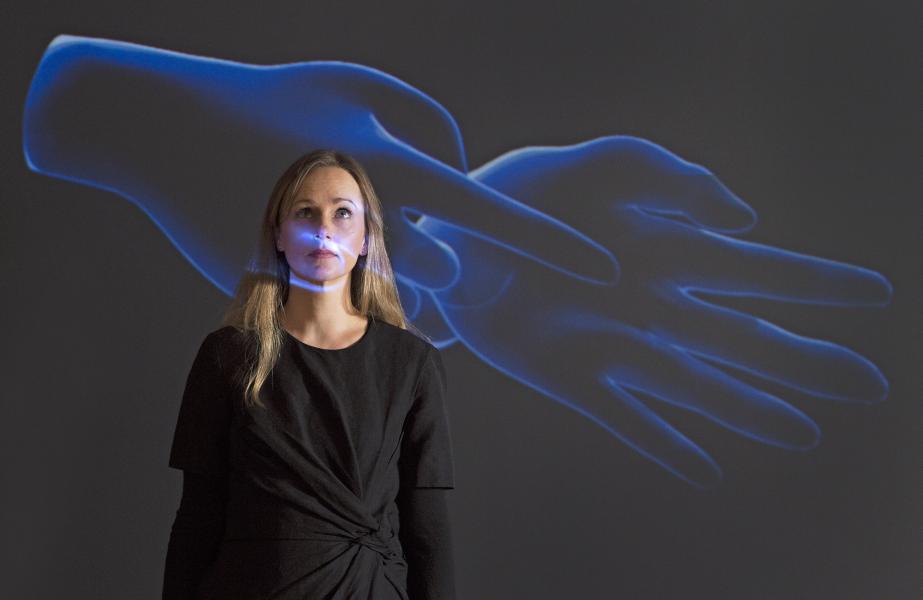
263,289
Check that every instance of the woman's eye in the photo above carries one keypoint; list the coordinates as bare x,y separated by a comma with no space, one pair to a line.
304,210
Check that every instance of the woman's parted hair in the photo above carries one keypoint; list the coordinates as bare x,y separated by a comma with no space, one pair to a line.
263,288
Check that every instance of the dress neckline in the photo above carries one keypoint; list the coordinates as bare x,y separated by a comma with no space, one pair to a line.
365,335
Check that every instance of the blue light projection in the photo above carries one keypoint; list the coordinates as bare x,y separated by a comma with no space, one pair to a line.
567,268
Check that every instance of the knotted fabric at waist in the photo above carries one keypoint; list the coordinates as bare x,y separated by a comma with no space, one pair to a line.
290,525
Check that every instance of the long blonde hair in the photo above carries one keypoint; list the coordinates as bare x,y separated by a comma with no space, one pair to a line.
263,288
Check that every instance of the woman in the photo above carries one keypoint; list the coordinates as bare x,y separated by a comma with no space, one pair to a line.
312,433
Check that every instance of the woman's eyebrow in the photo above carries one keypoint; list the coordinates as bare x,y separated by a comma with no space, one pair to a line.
332,200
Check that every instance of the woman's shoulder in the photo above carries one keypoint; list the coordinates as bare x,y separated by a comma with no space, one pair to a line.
229,342
408,340
227,334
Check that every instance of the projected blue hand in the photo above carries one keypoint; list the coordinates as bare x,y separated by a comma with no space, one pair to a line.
197,143
594,347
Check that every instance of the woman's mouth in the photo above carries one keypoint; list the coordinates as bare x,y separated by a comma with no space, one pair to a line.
322,253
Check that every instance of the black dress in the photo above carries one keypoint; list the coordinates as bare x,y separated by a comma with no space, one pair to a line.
307,496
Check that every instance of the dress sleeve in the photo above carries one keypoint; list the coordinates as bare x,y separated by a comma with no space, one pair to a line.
201,435
195,537
426,537
426,458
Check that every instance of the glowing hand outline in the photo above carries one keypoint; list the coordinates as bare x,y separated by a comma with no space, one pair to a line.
147,116
592,346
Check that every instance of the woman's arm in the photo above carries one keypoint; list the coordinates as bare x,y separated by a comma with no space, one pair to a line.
196,534
426,537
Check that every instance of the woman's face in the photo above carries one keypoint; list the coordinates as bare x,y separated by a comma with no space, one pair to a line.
328,214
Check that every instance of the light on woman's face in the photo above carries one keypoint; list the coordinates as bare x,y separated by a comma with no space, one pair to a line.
323,233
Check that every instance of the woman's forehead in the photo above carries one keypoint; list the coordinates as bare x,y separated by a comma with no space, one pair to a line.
329,181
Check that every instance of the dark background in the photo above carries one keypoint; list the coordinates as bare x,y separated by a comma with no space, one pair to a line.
809,111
